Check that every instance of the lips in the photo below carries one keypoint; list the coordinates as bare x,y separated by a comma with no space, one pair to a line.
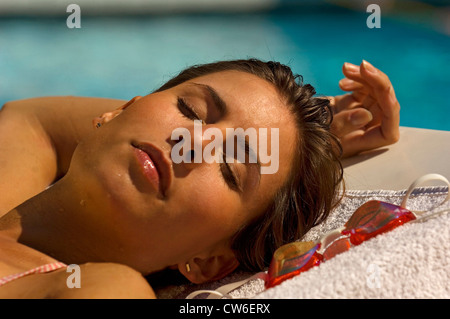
154,166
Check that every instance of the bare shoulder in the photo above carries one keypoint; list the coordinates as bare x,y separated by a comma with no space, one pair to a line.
104,281
66,101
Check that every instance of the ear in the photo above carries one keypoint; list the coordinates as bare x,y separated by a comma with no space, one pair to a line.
108,116
203,269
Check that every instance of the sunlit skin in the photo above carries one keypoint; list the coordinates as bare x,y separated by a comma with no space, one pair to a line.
200,212
102,208
106,200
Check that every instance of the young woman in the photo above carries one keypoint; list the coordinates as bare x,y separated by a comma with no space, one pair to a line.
121,208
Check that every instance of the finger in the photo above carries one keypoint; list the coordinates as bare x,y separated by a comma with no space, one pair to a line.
361,88
381,85
353,72
349,121
371,104
347,84
350,68
344,102
359,96
386,100
361,140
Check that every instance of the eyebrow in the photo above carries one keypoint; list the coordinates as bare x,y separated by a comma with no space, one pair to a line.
219,103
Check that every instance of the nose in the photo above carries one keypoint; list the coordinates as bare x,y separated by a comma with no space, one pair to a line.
197,144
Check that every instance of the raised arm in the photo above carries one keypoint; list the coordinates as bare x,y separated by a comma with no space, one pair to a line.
37,140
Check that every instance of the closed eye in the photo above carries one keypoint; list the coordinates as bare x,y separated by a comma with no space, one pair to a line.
186,110
229,176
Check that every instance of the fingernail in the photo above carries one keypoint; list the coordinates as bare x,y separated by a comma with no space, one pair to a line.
360,118
350,67
369,67
346,82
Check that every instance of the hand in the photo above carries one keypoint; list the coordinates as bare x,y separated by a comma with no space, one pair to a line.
369,116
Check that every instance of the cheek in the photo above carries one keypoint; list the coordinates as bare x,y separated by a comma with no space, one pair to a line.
207,203
158,111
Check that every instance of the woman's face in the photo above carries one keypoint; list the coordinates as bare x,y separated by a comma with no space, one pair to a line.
200,208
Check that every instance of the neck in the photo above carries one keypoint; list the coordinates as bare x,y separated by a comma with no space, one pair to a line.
52,223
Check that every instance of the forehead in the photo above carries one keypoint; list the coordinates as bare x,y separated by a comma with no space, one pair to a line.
253,101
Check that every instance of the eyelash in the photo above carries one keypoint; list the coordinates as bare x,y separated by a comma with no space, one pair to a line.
228,175
188,112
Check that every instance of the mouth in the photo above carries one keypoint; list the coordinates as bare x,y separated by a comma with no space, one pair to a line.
154,166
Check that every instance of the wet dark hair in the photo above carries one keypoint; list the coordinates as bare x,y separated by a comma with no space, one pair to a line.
312,189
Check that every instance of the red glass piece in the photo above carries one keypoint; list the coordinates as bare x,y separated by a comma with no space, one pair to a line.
373,218
369,220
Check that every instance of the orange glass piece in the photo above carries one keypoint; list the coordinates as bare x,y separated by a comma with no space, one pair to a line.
337,247
290,260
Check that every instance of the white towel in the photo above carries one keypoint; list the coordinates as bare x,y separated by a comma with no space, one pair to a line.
412,261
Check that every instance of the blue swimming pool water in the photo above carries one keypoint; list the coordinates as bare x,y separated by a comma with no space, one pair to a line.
123,57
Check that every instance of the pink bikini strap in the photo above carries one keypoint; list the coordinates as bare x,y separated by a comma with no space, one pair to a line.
38,270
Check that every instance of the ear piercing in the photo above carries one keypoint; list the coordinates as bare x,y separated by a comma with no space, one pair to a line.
188,268
97,122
